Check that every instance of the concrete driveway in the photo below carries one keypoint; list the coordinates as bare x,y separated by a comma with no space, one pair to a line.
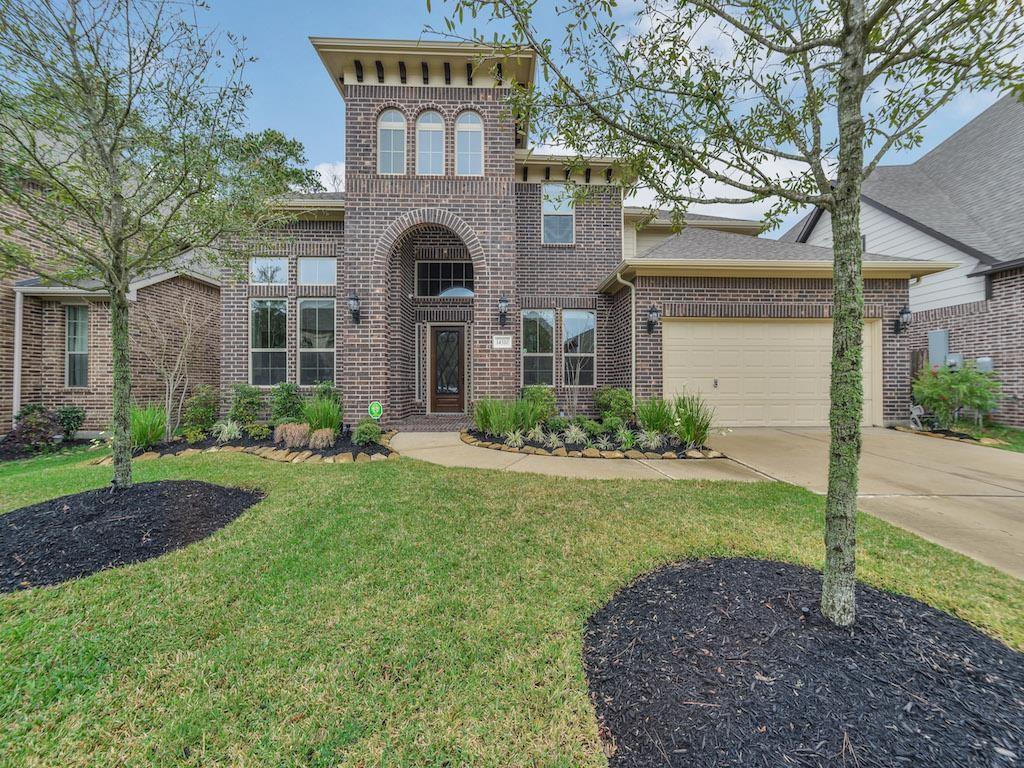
966,497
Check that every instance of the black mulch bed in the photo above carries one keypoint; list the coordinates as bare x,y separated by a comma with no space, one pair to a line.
83,533
343,444
11,450
729,662
672,445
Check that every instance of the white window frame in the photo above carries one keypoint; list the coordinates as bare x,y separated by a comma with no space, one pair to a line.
429,128
567,355
416,277
284,349
476,127
67,351
522,345
544,213
319,260
387,121
301,349
254,259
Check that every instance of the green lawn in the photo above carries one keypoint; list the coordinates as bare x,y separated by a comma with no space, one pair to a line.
393,613
1014,438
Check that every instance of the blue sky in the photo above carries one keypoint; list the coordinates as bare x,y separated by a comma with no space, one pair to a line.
293,93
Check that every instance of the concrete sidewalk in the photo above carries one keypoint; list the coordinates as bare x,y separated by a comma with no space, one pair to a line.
448,449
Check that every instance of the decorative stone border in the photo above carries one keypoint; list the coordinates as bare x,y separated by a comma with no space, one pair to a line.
990,441
592,453
283,455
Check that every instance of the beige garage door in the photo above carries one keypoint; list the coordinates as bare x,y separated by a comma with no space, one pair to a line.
764,373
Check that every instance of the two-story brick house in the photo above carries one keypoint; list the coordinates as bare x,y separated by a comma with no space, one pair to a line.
456,266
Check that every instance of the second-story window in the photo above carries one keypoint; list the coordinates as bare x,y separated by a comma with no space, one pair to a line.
558,215
430,144
391,142
469,145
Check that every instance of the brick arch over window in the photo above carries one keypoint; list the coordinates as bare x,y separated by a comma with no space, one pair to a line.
395,231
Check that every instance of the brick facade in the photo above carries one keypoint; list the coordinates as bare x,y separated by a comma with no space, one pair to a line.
986,328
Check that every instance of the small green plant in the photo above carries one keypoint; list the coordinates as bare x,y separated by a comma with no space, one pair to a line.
557,424
574,434
201,408
256,431
603,443
70,418
594,429
650,440
614,401
536,435
147,426
946,393
694,418
612,424
246,404
496,417
366,432
327,390
29,410
285,403
543,398
655,415
322,413
226,431
553,441
514,438
626,439
194,435
322,438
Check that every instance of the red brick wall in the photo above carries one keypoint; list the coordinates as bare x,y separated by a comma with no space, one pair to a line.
770,298
991,328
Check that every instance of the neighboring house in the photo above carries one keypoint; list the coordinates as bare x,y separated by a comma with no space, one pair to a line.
959,203
55,340
454,268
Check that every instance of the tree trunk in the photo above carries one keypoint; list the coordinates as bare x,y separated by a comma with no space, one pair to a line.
838,602
121,405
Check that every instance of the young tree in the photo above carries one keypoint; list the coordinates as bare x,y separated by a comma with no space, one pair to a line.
122,141
788,102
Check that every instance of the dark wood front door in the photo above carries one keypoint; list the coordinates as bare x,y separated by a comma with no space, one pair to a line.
447,382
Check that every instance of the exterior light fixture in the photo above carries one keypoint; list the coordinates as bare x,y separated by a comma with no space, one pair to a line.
653,316
903,321
502,310
353,306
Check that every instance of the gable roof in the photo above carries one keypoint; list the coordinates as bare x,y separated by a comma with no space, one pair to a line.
188,264
967,191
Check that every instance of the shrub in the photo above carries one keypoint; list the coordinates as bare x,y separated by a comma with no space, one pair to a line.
655,415
514,438
946,392
327,390
226,431
594,429
626,439
574,434
322,438
194,435
614,401
543,398
496,417
147,426
36,428
245,404
29,410
322,413
693,420
557,424
70,418
256,431
612,424
292,434
649,440
201,408
285,403
367,431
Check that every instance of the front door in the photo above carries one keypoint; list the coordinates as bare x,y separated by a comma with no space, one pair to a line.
447,381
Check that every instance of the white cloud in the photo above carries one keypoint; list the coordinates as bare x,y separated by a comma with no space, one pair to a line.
332,175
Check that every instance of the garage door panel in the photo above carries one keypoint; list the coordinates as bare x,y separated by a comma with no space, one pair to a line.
768,372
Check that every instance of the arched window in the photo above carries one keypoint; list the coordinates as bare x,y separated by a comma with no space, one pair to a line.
430,144
391,142
469,145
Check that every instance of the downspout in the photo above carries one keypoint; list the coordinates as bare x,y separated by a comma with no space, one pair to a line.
19,311
632,332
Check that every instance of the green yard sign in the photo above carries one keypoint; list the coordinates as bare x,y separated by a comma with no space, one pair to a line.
376,410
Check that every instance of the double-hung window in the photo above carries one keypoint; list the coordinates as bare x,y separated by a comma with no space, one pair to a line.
318,270
557,214
538,347
76,362
469,145
268,270
579,329
316,341
391,142
268,333
430,144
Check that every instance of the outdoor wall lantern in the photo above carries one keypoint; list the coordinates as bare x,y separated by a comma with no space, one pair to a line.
903,321
653,316
502,310
353,306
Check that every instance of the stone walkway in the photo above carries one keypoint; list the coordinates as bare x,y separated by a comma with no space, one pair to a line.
448,449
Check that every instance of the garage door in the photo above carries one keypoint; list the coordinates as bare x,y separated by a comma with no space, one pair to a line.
764,373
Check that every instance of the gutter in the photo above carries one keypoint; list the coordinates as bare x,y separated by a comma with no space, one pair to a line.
632,333
19,312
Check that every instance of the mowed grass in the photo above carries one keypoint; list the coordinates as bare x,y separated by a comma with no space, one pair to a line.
388,614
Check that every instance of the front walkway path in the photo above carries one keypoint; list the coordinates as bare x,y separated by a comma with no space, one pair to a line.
448,449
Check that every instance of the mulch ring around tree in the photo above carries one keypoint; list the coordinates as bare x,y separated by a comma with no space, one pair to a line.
77,535
730,662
